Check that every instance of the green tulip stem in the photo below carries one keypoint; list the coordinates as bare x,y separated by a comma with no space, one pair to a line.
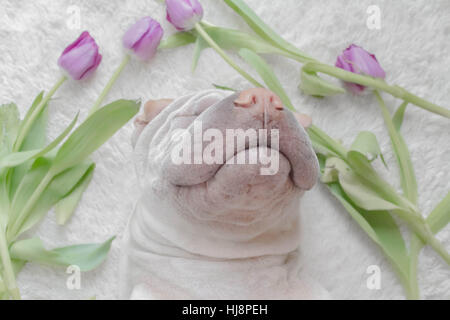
423,231
36,112
110,84
8,270
377,83
14,230
317,133
416,245
222,53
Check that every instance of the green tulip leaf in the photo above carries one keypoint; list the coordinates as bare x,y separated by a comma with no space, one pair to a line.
320,148
200,45
436,220
37,135
374,184
397,119
3,289
225,88
263,30
59,187
232,39
18,158
27,186
86,256
313,85
93,132
440,216
34,140
40,138
407,176
65,208
366,143
332,169
408,183
179,39
9,126
382,229
4,201
4,294
324,144
362,194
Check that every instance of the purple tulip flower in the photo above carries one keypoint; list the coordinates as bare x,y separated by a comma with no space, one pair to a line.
184,14
143,38
81,58
357,60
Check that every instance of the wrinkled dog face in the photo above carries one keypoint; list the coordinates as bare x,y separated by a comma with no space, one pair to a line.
235,160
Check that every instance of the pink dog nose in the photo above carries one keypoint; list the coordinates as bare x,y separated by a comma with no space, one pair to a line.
259,98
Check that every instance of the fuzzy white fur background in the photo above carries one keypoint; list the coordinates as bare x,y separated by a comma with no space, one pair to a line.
412,45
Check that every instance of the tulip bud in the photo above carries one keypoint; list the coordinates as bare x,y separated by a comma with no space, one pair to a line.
184,14
143,38
81,58
357,60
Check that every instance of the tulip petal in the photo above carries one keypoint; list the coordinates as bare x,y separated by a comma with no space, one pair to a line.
184,14
146,48
84,37
136,32
357,60
81,58
343,63
365,63
78,60
143,38
91,70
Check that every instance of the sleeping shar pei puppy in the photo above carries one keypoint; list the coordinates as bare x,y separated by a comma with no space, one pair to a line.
220,178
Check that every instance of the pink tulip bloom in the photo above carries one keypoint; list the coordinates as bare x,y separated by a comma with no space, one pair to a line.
357,60
81,58
143,38
184,14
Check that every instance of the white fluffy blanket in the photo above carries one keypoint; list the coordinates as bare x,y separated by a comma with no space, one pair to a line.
412,45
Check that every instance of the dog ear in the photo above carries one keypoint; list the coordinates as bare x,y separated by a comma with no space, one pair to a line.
151,109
